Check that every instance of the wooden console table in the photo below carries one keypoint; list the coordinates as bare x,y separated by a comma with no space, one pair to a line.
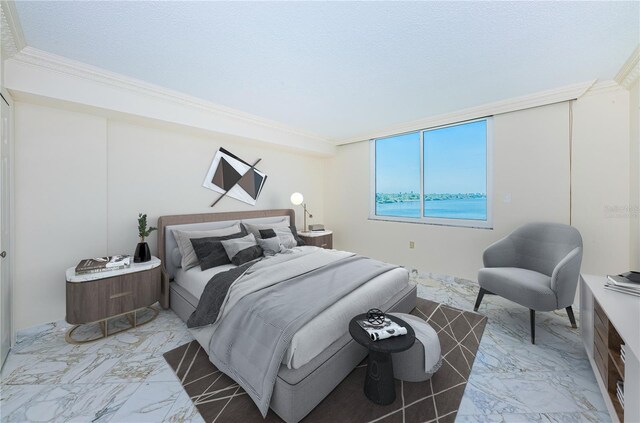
608,320
99,297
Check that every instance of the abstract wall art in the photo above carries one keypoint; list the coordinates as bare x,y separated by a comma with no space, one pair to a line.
231,176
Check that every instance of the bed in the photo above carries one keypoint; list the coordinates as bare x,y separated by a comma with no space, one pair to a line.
312,366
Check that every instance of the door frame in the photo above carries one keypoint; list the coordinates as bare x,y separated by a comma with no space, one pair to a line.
9,261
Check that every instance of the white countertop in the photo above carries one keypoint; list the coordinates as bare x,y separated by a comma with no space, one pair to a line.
135,267
314,233
622,309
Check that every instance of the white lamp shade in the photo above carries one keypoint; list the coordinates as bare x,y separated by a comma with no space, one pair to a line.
297,198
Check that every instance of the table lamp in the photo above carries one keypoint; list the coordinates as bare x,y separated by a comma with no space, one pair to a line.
297,199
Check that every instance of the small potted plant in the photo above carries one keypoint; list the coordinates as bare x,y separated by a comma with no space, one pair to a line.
142,250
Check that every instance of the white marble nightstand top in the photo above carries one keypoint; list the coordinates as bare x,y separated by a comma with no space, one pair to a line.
135,267
314,233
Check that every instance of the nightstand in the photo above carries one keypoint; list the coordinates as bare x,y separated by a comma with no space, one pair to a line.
99,297
322,239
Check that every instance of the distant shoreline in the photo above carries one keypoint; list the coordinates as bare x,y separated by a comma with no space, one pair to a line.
411,197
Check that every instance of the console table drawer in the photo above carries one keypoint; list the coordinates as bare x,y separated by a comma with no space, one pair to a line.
103,298
599,312
600,364
600,324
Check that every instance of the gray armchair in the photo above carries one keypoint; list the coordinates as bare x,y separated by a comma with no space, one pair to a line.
537,266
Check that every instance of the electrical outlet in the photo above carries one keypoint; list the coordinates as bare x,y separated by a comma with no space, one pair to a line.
412,244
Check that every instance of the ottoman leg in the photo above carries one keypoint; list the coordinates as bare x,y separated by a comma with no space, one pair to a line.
379,384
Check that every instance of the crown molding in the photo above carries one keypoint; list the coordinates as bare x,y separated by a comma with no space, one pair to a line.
630,70
36,72
77,69
602,87
12,36
569,92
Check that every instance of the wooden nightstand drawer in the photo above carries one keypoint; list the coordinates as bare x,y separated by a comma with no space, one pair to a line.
317,240
140,290
99,299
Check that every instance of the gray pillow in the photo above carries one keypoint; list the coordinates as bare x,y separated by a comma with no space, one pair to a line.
210,251
176,257
270,233
286,237
294,231
255,228
183,239
242,250
270,246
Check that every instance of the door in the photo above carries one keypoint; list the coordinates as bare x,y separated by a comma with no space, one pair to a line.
5,198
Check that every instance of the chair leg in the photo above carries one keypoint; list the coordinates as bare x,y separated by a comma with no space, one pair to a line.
572,318
532,314
479,299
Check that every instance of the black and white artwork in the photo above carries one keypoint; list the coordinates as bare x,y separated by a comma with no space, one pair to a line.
231,176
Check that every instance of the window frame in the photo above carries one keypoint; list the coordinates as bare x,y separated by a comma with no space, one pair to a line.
440,221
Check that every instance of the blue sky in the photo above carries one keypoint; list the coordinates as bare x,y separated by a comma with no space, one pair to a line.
398,164
455,161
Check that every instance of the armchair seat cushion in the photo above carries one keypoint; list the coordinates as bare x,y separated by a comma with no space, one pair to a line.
526,287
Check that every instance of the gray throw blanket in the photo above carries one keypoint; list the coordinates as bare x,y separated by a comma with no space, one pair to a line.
213,296
253,336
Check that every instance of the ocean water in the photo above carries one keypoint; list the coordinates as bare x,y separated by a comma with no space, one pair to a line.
469,208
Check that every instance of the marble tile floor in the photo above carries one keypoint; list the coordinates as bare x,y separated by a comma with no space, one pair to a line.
124,378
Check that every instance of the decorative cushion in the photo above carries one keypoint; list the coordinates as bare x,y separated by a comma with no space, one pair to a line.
285,234
183,239
270,246
286,237
267,233
210,251
424,358
247,255
242,250
255,228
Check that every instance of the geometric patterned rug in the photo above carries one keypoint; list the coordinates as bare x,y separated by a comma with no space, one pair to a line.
218,398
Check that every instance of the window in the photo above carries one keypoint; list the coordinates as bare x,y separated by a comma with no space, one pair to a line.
398,176
438,175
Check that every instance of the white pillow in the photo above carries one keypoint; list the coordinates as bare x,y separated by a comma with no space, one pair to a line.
256,228
183,239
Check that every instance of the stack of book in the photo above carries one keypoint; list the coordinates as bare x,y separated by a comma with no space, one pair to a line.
620,392
627,283
623,353
103,264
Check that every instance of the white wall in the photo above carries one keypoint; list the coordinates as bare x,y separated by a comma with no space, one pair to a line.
634,183
82,178
83,175
601,179
531,164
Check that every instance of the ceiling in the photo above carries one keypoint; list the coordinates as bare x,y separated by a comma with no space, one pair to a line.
340,69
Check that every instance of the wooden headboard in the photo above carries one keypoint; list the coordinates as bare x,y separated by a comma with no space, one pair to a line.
184,219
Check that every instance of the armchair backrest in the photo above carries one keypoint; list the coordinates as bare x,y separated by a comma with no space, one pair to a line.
541,246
